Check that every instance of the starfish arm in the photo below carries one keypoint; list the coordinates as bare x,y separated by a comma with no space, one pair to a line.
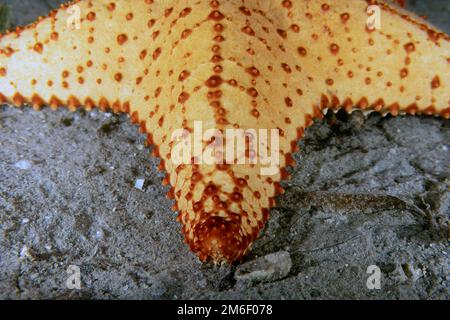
287,61
81,54
400,66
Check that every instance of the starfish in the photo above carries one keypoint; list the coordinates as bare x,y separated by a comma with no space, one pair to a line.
229,64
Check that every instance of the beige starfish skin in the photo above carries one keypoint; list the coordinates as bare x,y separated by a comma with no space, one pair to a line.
230,64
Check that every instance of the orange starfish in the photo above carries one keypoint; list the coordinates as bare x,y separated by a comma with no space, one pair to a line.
242,64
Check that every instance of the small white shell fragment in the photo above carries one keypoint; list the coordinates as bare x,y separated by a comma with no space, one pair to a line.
25,253
139,184
23,165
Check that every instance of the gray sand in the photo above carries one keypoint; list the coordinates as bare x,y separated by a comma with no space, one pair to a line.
368,191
